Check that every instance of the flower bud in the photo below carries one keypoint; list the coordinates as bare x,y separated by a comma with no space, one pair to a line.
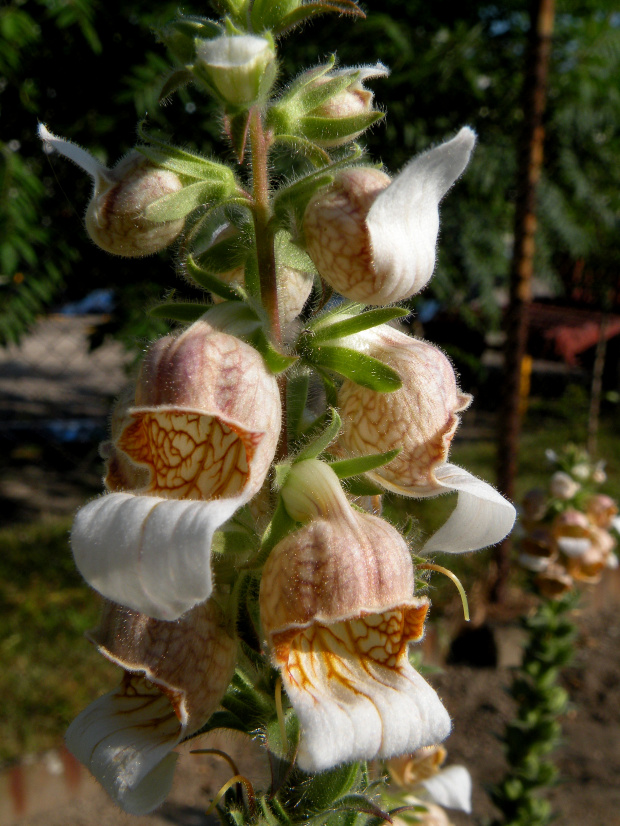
374,240
236,67
601,510
115,216
554,581
563,486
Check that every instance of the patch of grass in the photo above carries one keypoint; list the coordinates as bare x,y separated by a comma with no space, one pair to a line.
48,672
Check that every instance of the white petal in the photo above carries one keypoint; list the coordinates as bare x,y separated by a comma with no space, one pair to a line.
451,788
353,708
148,553
403,222
230,52
534,563
482,516
612,561
574,546
74,153
126,740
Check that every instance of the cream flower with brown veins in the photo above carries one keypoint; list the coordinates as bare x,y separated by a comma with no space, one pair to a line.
196,446
175,676
339,612
420,418
373,239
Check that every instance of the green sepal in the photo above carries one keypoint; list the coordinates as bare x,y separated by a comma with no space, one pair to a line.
276,361
336,129
227,254
281,754
184,311
210,282
175,80
345,468
359,803
321,443
296,398
246,702
331,391
364,370
324,789
268,14
327,330
219,720
273,736
233,542
306,79
236,127
309,10
310,97
186,163
361,486
179,35
206,173
180,204
280,526
298,145
295,196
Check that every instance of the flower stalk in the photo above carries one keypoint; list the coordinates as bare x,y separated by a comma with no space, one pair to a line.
247,588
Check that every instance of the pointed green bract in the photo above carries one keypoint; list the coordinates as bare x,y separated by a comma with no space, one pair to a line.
363,370
328,328
345,468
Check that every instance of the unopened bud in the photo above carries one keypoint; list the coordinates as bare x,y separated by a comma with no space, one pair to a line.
115,217
235,67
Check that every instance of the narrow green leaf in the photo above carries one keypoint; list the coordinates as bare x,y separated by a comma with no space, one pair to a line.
357,324
318,128
310,10
180,311
322,442
186,163
179,204
362,369
296,398
318,157
280,526
175,80
211,282
276,361
345,468
360,803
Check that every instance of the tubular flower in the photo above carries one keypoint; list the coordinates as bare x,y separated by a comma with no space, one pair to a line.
115,216
373,239
175,676
338,610
423,779
420,418
196,446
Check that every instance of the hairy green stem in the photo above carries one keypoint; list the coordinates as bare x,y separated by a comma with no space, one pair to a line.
265,252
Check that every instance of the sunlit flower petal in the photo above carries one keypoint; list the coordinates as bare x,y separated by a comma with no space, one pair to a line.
196,446
374,240
421,418
149,553
338,610
176,674
451,788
